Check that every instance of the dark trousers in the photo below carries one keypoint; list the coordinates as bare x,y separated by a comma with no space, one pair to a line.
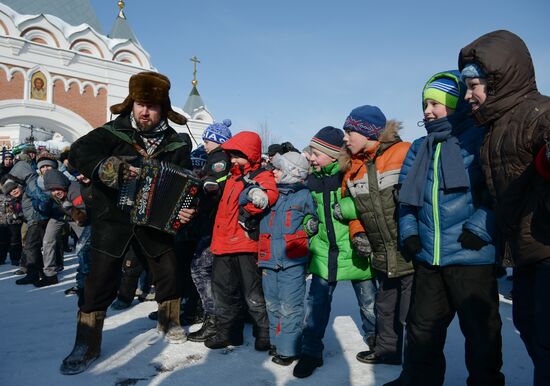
201,272
438,293
392,305
103,280
531,310
236,278
33,246
132,268
10,241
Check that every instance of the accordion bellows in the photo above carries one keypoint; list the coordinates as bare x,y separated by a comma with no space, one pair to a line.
156,196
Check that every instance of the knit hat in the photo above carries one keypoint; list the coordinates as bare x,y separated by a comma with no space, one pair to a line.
369,121
152,88
9,185
198,157
443,90
54,179
218,132
46,158
7,154
473,70
293,166
329,140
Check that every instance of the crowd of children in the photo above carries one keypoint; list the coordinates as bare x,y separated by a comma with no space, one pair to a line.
418,229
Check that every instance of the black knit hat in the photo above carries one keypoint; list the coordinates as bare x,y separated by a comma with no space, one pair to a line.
54,179
329,140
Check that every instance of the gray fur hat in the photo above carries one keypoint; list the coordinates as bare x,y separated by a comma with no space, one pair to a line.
293,166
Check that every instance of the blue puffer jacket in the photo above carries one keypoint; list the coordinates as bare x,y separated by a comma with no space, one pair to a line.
283,241
444,215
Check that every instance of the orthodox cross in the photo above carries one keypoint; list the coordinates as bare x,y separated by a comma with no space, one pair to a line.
195,60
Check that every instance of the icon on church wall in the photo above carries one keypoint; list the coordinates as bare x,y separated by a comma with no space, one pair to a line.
38,86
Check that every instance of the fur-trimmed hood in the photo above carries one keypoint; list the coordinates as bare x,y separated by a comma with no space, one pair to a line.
388,137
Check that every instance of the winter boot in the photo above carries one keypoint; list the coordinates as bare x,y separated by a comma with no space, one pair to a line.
87,345
282,360
46,281
207,330
306,366
221,340
262,344
30,278
169,321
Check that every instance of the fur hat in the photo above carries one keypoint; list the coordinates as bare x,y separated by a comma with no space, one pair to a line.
8,185
46,158
149,87
368,121
54,179
218,132
329,140
30,149
293,166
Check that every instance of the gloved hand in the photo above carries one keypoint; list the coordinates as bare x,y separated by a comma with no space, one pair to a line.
66,205
412,245
468,240
312,226
361,245
258,198
115,170
337,212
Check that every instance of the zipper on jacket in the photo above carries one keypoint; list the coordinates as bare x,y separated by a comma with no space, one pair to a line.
435,205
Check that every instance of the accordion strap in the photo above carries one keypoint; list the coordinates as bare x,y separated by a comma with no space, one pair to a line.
143,153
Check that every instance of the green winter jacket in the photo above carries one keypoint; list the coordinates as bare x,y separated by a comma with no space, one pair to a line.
331,254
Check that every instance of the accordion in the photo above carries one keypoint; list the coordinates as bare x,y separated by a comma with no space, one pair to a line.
155,197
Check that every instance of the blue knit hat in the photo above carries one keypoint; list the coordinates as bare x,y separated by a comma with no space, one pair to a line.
218,132
368,121
473,70
198,157
443,90
329,140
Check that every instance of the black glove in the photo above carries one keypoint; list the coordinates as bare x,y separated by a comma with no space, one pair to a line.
361,245
412,245
468,240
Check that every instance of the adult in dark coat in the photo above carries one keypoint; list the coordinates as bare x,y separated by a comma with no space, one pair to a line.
103,155
504,97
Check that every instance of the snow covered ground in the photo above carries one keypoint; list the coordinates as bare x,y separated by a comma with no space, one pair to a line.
37,329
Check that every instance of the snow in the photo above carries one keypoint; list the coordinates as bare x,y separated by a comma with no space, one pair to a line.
38,325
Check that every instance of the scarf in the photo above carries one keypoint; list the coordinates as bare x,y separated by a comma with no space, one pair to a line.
453,174
152,137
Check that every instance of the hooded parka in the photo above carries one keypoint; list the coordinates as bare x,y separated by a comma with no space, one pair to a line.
516,116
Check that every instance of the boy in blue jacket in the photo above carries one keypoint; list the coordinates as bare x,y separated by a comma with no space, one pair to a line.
448,230
283,255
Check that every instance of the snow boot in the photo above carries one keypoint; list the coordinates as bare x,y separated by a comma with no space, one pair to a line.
222,341
30,278
282,360
207,330
262,344
169,321
46,281
87,345
306,366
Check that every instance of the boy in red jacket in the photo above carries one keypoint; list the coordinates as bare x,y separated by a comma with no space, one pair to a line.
235,275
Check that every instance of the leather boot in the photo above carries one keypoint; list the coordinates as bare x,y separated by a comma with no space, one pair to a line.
169,321
207,330
87,345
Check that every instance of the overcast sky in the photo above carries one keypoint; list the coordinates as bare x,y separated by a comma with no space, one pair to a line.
301,65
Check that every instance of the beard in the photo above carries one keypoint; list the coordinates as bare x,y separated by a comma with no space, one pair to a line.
145,126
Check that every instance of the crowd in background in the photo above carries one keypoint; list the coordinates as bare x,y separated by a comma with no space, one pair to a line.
421,230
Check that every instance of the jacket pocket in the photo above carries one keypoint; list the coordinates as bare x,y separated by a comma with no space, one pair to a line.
264,247
296,245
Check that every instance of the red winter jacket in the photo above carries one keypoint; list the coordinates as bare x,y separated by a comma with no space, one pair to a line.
228,236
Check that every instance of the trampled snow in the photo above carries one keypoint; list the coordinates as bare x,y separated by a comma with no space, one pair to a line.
37,329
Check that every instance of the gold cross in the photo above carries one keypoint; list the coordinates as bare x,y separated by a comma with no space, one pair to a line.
195,60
